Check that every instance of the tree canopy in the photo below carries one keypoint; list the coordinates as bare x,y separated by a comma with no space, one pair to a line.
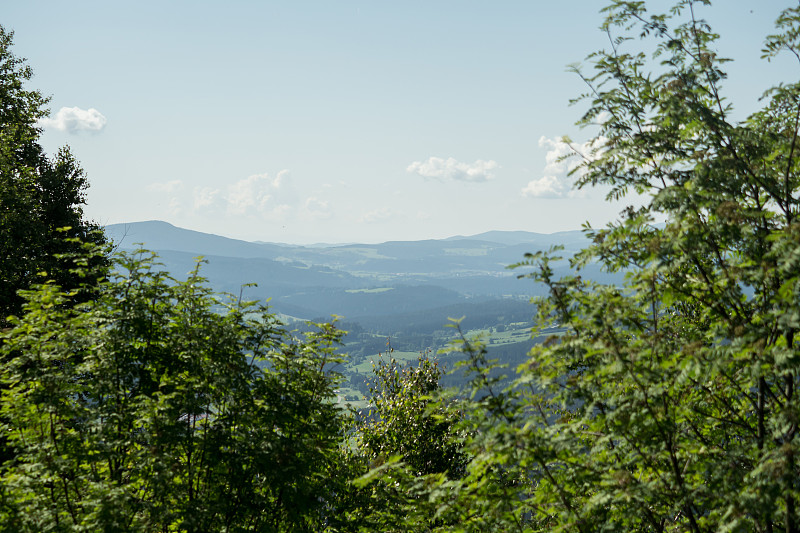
41,197
670,402
158,406
666,403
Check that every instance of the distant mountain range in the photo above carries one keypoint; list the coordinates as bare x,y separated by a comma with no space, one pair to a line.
359,281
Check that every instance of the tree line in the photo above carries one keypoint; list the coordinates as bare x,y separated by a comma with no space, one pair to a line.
132,401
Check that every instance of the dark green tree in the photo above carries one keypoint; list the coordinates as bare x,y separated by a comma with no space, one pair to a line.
669,403
41,219
160,406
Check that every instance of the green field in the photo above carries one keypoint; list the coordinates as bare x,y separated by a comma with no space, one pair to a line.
514,333
370,291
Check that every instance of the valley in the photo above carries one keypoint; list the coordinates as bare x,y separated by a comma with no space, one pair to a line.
403,293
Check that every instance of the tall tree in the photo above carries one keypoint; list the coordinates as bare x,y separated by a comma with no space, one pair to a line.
670,403
41,198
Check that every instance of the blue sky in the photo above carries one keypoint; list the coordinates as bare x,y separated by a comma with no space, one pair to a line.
336,121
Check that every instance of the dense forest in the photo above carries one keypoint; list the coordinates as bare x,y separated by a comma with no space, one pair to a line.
136,401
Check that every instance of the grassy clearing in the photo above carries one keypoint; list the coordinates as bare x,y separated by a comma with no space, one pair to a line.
470,252
366,366
370,291
515,333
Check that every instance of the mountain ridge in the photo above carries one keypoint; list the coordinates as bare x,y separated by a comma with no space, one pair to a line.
383,279
161,229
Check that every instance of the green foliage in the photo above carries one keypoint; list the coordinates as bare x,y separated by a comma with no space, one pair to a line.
669,403
409,441
401,422
41,219
158,406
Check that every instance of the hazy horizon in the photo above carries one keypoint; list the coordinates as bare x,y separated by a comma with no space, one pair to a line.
341,243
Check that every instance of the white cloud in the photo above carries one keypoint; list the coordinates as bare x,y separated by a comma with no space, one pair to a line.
74,119
166,187
377,215
175,207
317,209
450,169
253,195
259,195
545,187
249,193
602,117
556,181
281,179
256,194
205,197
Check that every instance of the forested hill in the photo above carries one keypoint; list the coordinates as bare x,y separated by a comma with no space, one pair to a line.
491,249
355,280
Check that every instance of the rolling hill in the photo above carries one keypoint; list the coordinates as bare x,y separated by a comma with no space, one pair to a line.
358,281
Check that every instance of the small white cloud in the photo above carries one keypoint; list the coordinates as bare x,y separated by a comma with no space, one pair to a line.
556,181
251,192
317,209
255,193
545,187
258,195
602,117
281,179
205,197
166,187
450,169
377,215
74,119
175,207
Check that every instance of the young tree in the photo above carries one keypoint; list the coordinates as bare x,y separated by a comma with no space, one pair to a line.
670,403
400,422
159,406
411,440
41,219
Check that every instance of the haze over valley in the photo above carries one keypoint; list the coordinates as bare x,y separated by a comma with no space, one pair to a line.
402,291
360,282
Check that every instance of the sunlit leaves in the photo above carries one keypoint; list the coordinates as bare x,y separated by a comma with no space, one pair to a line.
161,406
669,403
